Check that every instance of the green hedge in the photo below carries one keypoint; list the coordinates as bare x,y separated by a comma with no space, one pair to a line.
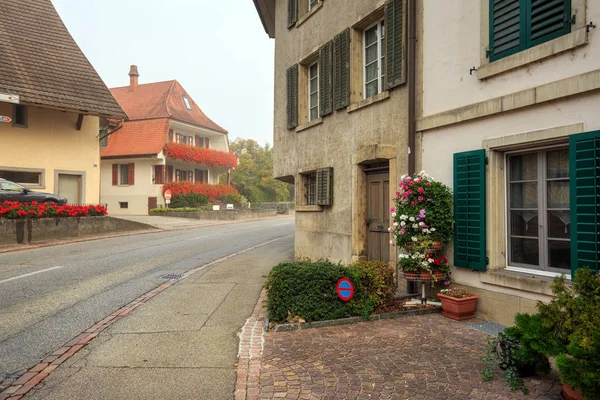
307,289
188,200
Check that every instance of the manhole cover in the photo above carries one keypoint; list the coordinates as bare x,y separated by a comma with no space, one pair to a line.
171,276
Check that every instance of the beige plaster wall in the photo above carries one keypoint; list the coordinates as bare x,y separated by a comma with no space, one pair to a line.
137,194
334,142
52,142
454,36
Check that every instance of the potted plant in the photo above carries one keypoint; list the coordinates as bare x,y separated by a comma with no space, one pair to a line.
458,303
412,264
422,213
517,352
567,328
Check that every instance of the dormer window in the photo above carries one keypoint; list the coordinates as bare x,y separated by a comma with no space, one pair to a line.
186,101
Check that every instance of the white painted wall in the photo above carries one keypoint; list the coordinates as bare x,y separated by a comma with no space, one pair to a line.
451,46
136,195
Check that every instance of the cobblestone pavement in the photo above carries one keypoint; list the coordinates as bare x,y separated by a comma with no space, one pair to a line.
425,357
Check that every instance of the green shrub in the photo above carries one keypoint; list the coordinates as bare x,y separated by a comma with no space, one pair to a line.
236,199
307,289
378,279
170,210
188,200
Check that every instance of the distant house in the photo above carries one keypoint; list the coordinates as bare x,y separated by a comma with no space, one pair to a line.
166,139
51,100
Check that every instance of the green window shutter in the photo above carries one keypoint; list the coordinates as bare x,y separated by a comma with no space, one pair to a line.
394,39
547,19
325,84
341,70
584,169
325,187
469,210
516,25
292,12
507,28
292,97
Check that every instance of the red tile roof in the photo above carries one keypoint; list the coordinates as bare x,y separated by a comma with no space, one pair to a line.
40,61
162,100
136,138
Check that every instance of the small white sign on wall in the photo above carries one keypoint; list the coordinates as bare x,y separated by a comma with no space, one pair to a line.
216,207
230,206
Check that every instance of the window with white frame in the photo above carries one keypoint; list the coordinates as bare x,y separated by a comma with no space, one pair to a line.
312,4
186,101
313,91
184,139
374,59
539,209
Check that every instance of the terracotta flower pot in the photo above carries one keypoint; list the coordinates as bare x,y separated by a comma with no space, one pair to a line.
571,394
436,245
458,309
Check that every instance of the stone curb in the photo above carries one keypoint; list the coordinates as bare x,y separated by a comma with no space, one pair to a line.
44,368
112,236
354,320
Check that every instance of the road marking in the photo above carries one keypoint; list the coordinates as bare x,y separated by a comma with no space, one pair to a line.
14,278
196,238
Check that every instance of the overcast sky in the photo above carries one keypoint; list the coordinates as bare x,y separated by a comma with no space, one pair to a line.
218,50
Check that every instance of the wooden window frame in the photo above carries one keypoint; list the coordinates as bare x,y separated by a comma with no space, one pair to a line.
381,57
311,106
121,168
542,193
309,180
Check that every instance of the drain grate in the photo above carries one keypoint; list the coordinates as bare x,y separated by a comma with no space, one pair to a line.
171,276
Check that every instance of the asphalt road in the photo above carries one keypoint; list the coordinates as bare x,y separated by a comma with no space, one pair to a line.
50,295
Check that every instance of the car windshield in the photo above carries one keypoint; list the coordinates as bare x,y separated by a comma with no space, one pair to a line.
11,187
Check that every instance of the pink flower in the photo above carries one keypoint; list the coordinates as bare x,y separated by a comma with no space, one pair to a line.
420,198
412,203
397,193
428,184
411,183
409,192
421,190
393,209
418,180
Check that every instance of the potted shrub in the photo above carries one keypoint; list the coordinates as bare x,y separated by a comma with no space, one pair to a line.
517,352
567,328
458,303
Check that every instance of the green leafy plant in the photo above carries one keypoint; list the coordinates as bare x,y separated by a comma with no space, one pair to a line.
568,328
308,290
237,200
519,351
378,279
191,200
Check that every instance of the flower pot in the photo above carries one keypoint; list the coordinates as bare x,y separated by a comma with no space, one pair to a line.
458,309
410,275
568,393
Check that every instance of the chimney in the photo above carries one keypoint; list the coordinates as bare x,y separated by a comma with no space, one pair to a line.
133,78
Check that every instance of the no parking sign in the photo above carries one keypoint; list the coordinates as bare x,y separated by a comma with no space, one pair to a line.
345,289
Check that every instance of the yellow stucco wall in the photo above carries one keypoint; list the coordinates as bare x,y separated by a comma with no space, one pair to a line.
52,143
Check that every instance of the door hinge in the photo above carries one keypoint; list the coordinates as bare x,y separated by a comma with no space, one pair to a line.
488,52
487,160
487,261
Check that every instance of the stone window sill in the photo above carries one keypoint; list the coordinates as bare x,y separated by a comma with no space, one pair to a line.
537,53
309,14
309,208
519,281
308,125
367,102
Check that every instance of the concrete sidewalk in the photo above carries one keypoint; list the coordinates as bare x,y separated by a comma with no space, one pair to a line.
182,344
171,223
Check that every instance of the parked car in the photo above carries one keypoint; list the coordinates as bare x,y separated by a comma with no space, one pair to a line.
15,192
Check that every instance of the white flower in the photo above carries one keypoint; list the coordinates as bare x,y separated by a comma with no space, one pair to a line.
414,239
425,230
412,219
432,229
402,223
415,226
404,217
430,260
402,177
395,224
421,224
391,242
393,215
414,256
390,229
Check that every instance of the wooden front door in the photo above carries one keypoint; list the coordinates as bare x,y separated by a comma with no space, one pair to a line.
378,217
152,203
69,186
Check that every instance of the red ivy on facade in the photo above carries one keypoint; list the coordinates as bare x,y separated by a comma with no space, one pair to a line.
210,191
200,155
16,210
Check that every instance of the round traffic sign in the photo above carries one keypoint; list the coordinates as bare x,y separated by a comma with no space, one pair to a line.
345,289
167,195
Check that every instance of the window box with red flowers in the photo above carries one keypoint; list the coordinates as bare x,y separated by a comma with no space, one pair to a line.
213,192
200,155
16,210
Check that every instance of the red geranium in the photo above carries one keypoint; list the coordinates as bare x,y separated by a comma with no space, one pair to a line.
200,155
15,210
210,191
